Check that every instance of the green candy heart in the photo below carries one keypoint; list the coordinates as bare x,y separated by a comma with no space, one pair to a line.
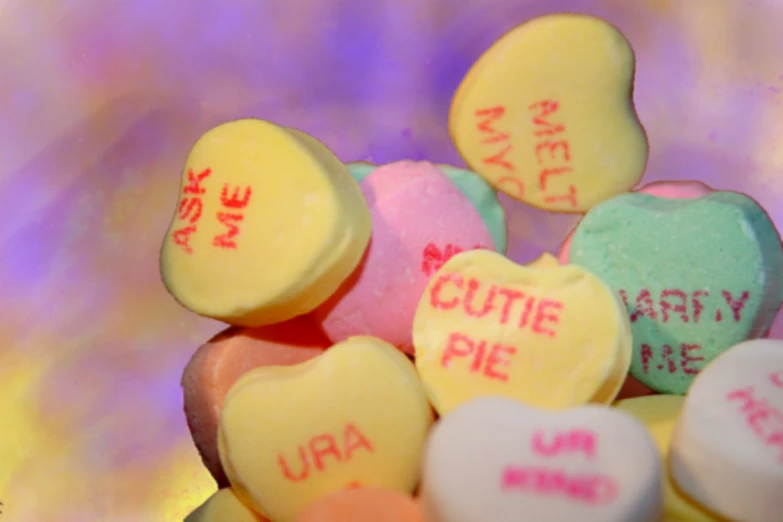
360,169
698,276
473,186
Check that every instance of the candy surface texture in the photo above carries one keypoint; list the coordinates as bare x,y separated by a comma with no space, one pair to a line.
268,225
548,335
546,115
217,365
698,276
496,459
354,416
659,414
420,219
727,448
474,187
662,189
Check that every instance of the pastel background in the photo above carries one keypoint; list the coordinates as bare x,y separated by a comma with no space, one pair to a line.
101,102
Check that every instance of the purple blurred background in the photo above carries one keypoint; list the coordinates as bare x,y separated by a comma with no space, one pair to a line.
101,103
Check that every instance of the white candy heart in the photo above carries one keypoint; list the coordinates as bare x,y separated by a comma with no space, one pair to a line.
727,447
496,459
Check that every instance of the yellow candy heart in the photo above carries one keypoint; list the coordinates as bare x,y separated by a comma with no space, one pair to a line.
659,413
546,115
549,335
356,415
268,225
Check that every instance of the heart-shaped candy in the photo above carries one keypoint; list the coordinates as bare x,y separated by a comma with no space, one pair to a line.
473,186
223,506
496,459
549,335
680,189
546,115
356,415
420,219
727,447
659,414
698,276
218,364
268,225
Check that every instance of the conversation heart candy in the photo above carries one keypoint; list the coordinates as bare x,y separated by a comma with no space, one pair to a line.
485,199
659,414
496,459
363,505
268,225
420,219
688,189
356,415
697,275
546,115
727,447
219,363
224,506
473,186
551,336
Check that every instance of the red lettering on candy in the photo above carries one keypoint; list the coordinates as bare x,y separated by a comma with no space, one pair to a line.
234,201
670,359
737,305
644,306
473,286
573,441
696,303
485,126
676,304
322,446
570,197
542,316
226,240
287,470
436,289
761,417
680,307
590,488
459,345
511,296
556,171
433,258
319,447
230,199
552,147
526,311
646,356
190,208
555,164
492,114
450,291
777,378
686,359
544,127
192,186
499,159
354,440
668,353
181,238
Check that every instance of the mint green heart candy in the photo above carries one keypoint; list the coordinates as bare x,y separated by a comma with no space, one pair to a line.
360,169
473,186
698,276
